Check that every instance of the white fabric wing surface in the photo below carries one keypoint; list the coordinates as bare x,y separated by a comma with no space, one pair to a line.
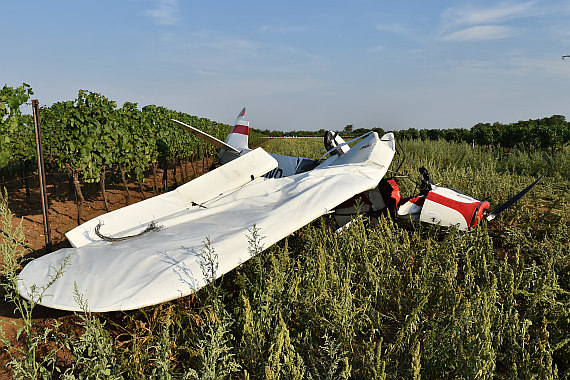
164,265
131,219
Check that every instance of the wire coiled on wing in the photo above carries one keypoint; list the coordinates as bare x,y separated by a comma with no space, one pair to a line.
151,227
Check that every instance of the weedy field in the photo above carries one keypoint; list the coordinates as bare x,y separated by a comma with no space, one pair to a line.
382,299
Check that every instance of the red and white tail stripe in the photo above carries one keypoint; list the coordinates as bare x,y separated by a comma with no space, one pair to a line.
239,134
241,126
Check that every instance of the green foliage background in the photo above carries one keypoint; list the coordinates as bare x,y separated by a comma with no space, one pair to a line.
16,130
382,299
90,133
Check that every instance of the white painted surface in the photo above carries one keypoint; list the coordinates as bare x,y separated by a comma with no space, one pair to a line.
164,265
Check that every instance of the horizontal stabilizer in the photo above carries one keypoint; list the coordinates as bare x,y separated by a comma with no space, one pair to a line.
206,137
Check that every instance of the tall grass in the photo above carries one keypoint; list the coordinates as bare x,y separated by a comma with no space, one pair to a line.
308,148
382,299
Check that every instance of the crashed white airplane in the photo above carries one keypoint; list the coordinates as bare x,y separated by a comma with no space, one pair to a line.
149,252
221,205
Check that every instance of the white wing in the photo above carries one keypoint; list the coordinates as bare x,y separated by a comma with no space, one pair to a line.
164,209
165,265
206,137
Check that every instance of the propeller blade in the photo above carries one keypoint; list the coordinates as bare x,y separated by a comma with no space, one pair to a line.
508,203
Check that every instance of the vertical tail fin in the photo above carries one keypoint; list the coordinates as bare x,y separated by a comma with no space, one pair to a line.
239,134
237,138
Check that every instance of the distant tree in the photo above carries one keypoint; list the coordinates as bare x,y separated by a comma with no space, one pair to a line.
380,131
360,131
434,134
457,134
413,133
483,134
402,134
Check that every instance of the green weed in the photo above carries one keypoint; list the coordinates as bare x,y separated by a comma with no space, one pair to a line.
382,299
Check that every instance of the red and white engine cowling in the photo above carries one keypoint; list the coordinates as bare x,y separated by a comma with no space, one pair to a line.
446,207
438,205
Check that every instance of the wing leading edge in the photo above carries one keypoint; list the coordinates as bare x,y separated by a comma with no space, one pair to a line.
164,208
165,265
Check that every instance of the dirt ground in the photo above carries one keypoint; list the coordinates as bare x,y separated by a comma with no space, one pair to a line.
62,217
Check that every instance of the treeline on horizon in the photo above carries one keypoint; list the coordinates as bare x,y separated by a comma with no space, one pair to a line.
546,133
90,134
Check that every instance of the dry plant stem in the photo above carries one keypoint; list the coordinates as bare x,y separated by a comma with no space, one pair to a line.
103,192
194,164
183,169
174,173
165,176
78,194
141,190
127,193
155,179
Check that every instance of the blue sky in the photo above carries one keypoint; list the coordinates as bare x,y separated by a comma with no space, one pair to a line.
299,64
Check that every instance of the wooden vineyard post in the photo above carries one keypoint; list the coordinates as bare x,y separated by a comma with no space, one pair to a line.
155,183
79,199
165,176
102,183
127,193
41,170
